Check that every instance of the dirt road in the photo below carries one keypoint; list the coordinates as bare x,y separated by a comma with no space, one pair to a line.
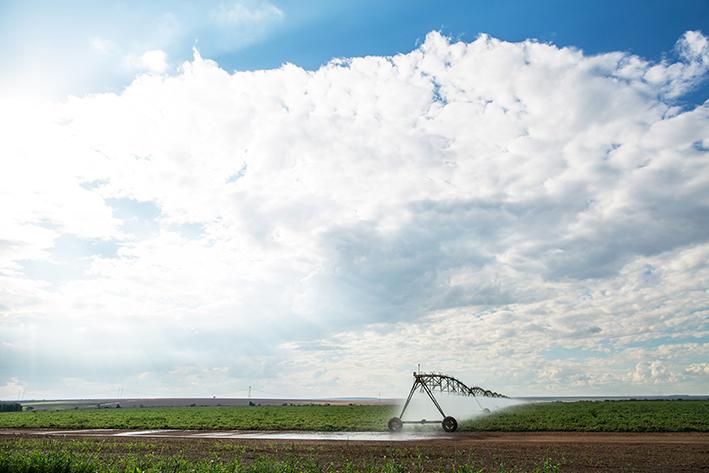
584,452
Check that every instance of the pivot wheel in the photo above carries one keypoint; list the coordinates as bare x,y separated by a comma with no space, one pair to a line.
449,424
395,424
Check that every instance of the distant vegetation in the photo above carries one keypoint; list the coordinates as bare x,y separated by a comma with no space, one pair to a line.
599,416
608,416
10,407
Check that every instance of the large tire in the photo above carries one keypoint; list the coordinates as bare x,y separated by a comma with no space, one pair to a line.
450,424
394,424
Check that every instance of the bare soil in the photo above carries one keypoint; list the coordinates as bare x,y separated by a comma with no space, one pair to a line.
575,452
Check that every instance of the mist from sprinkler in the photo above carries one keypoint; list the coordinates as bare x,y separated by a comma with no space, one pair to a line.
461,407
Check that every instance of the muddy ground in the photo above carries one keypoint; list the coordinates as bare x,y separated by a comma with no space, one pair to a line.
582,452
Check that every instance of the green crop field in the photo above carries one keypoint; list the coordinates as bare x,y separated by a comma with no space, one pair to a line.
610,416
321,417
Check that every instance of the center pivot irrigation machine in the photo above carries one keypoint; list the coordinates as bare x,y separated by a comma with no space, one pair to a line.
429,382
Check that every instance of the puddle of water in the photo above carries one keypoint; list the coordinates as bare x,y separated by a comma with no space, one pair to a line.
139,433
341,436
265,435
79,432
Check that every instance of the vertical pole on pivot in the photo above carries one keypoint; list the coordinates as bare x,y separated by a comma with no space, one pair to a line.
408,399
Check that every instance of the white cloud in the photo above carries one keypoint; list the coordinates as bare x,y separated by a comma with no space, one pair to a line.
523,215
95,52
13,389
679,77
154,61
102,45
240,14
693,46
698,369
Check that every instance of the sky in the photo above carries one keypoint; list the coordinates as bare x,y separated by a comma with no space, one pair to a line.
312,198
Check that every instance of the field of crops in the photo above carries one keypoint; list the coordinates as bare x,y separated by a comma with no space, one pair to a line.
610,416
327,418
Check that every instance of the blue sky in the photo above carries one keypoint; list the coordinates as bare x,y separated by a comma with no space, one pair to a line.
344,29
311,198
310,33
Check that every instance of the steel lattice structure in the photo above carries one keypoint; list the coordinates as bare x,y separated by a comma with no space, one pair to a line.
429,382
449,384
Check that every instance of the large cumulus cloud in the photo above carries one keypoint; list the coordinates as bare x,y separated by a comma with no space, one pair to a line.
518,197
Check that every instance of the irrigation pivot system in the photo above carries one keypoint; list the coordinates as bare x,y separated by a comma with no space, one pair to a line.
429,382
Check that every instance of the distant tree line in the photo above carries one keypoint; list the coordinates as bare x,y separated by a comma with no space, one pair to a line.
10,407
